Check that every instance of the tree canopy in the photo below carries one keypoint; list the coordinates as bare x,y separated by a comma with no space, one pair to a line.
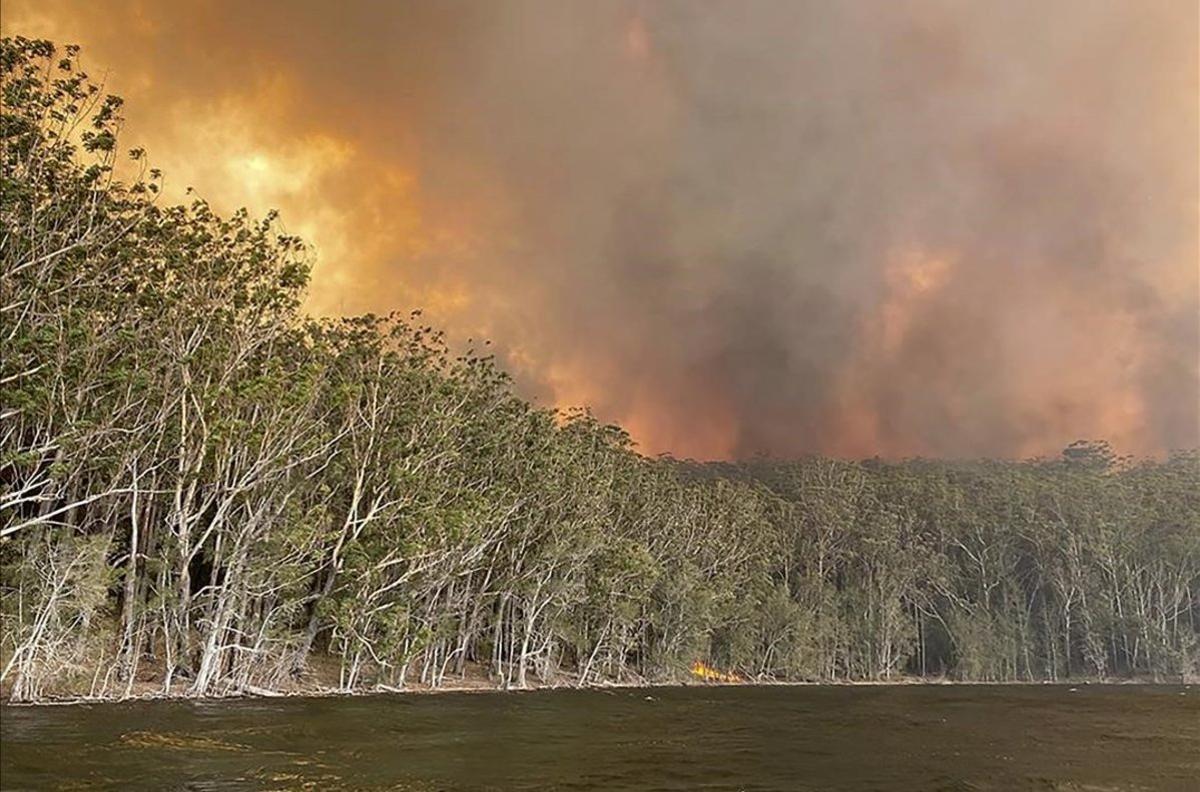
203,488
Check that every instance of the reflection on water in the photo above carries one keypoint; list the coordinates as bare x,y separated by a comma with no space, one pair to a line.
733,738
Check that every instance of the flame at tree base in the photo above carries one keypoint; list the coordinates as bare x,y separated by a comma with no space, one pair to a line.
710,674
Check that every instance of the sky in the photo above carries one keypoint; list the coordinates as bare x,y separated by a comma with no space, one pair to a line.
860,228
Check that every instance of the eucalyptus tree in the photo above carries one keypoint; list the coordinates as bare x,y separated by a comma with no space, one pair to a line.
205,490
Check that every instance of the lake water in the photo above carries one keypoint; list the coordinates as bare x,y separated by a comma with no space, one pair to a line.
720,738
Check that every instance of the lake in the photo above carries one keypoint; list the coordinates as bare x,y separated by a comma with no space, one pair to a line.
717,738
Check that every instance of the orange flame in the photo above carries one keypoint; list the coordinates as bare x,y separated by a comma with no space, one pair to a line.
710,674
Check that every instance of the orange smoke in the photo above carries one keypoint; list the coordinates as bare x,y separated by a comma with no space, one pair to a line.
637,38
912,278
734,229
898,356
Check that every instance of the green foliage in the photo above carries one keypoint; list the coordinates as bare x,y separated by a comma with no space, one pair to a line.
199,479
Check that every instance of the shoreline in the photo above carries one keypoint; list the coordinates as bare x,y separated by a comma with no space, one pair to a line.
262,694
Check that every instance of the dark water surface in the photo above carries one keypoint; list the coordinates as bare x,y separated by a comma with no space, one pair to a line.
732,738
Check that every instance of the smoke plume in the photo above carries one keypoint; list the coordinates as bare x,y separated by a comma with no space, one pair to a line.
853,228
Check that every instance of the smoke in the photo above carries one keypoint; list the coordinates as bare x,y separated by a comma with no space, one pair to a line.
857,228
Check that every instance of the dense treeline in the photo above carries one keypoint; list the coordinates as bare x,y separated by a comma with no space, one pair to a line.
203,489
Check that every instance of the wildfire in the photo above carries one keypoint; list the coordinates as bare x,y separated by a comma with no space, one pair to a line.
710,674
637,39
912,278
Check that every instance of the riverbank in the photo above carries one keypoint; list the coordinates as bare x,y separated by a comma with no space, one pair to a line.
477,681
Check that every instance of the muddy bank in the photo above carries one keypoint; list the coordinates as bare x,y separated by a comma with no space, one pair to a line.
479,682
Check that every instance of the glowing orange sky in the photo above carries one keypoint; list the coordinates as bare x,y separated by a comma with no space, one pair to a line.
849,228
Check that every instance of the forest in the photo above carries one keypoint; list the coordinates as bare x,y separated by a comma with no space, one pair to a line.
205,491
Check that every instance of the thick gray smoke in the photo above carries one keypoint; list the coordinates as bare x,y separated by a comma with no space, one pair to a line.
855,228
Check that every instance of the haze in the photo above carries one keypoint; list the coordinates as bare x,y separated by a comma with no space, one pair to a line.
855,229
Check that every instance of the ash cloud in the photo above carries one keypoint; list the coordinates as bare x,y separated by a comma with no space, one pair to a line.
856,228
